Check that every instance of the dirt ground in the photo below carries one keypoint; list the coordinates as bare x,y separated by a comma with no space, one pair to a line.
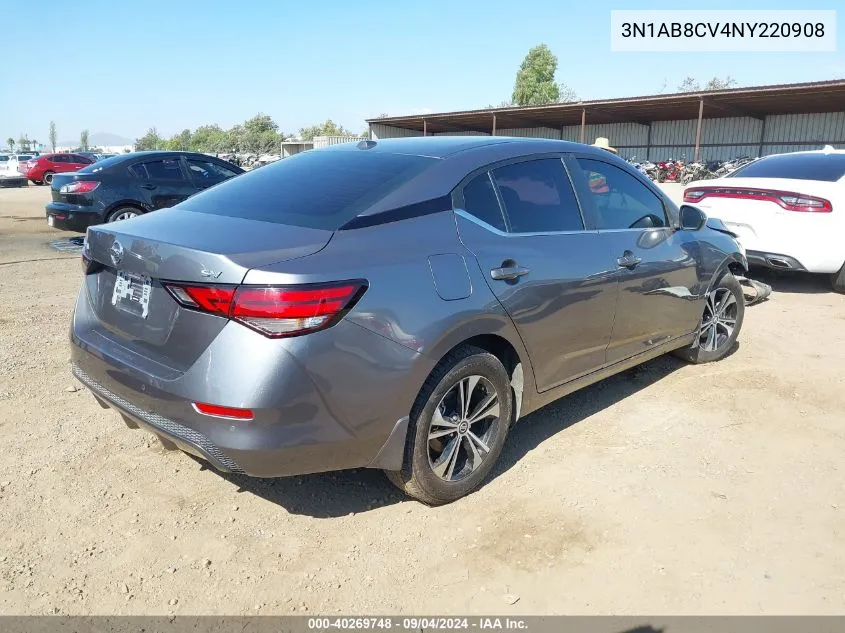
670,489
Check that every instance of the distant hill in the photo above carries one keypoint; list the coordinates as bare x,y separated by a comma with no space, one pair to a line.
100,139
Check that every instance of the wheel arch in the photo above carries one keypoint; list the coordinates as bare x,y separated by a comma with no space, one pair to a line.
507,348
123,203
735,263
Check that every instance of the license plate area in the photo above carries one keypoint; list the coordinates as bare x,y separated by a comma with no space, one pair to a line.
132,293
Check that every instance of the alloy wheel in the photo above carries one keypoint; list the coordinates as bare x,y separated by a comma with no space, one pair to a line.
719,320
463,428
123,215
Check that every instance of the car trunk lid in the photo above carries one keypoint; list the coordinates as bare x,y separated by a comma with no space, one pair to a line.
131,259
759,209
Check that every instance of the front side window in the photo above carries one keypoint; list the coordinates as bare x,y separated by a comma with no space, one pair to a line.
208,171
165,169
480,201
538,197
620,200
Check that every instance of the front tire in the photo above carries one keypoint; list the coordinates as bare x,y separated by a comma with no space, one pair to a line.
837,280
458,426
724,311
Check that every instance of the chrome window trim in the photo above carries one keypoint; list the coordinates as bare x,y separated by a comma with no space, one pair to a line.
468,216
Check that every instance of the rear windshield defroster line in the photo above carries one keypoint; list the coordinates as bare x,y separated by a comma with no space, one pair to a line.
315,189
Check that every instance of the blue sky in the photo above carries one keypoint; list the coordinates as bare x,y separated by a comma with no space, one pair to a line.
122,67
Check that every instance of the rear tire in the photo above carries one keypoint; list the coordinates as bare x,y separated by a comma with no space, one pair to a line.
720,324
123,213
47,178
837,280
457,429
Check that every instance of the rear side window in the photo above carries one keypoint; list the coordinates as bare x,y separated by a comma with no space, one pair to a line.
165,169
826,167
538,197
322,189
480,200
58,158
621,201
103,164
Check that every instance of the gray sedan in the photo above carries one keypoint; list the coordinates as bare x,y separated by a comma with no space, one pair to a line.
395,304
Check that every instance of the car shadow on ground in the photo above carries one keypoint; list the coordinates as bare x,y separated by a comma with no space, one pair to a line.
792,282
328,495
540,425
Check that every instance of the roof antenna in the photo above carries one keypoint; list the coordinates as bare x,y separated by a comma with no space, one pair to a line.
366,144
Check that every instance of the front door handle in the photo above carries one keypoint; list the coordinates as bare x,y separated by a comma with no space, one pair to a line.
149,186
628,260
508,273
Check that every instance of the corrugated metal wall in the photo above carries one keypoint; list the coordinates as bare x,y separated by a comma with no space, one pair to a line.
721,139
325,141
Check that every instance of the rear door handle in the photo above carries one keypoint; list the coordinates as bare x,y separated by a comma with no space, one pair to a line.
628,260
149,186
508,273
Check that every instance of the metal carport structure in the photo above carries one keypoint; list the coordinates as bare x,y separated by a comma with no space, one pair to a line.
748,113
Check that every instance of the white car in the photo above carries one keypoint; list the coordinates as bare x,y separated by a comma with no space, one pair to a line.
787,209
9,176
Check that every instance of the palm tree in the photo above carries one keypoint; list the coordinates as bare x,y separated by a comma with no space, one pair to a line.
11,143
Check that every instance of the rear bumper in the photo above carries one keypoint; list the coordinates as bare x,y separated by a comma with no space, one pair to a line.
13,180
319,405
185,438
71,217
775,261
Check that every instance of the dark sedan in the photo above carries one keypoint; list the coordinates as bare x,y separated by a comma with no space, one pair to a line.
128,185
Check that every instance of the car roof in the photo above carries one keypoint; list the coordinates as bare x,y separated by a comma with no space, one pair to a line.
166,152
445,146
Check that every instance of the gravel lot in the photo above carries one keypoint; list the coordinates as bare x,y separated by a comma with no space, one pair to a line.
670,489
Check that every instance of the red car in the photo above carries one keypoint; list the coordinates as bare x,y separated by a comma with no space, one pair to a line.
40,169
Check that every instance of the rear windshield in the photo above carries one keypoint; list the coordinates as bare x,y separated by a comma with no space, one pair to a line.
24,157
102,164
316,189
827,167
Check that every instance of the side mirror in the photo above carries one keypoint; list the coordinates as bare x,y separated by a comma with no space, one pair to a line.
692,218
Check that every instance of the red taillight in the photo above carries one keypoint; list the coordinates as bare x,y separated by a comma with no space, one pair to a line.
788,200
275,312
79,186
223,412
214,299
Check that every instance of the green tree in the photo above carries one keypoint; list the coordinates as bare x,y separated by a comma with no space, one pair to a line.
329,128
171,144
691,84
23,143
720,84
211,139
567,94
11,143
260,123
184,140
83,140
535,81
53,135
150,140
